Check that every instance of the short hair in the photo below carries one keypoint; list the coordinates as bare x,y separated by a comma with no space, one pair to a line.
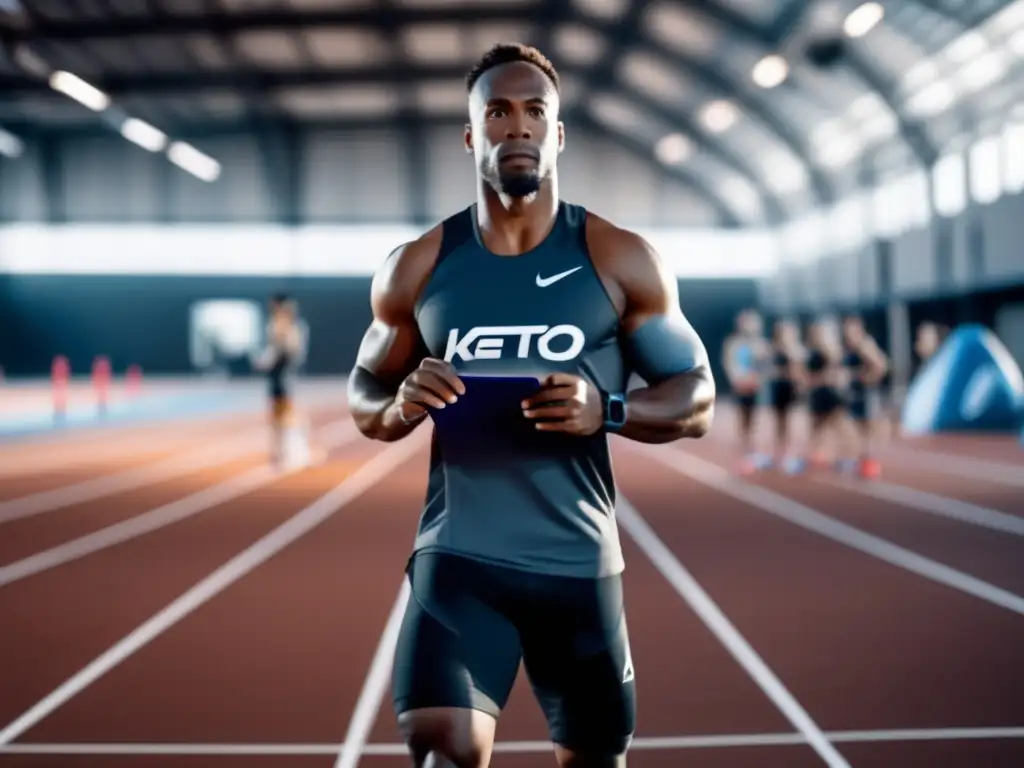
280,298
506,53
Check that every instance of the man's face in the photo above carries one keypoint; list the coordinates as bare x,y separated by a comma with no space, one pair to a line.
514,133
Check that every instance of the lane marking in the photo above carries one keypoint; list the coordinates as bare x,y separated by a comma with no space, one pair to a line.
217,454
372,694
687,587
360,481
949,464
642,742
719,478
934,503
333,436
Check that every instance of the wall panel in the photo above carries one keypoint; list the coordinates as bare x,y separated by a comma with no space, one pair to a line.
350,176
1003,223
22,195
242,193
913,263
110,180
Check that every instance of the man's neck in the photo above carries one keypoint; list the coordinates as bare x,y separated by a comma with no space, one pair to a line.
511,226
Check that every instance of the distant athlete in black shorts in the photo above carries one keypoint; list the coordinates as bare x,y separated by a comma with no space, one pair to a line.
824,396
283,352
785,389
517,557
745,354
866,366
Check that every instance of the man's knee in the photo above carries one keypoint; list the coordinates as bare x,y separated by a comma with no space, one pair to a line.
462,737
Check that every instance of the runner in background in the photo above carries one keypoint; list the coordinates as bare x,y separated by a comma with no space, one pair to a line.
866,365
284,353
745,356
788,380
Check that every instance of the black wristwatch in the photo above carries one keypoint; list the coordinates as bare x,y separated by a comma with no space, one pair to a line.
614,407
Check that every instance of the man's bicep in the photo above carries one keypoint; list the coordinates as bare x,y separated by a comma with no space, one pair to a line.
661,341
390,350
392,346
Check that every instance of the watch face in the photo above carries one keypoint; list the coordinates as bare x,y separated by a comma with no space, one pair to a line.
616,411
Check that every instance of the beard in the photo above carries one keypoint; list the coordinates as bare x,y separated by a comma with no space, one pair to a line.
518,184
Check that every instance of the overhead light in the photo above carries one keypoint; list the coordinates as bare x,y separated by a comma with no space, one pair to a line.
983,71
10,145
190,159
863,19
143,134
770,71
79,90
1016,44
673,149
931,101
719,116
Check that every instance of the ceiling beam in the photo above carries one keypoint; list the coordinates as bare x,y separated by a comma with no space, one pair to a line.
608,71
257,18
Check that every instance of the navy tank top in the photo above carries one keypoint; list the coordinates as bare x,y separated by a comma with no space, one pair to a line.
547,506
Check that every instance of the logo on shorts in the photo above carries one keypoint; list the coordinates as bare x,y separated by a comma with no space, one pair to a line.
557,343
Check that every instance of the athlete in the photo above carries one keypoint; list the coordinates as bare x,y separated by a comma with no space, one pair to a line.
866,366
744,355
517,558
284,351
787,381
824,398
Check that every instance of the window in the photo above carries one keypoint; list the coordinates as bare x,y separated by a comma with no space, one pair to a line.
1013,158
950,185
985,172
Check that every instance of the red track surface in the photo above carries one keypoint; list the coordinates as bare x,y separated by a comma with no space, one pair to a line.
280,655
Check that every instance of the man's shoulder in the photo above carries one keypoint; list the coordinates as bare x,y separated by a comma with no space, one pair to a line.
400,279
607,237
623,255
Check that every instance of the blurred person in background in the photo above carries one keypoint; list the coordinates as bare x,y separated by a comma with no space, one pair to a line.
284,352
824,398
928,339
866,365
745,356
786,388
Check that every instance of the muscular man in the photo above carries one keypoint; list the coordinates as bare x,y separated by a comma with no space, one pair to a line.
745,353
517,558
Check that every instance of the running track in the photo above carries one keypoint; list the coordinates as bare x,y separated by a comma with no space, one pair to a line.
209,613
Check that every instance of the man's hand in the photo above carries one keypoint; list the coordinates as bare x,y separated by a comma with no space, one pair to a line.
434,384
565,403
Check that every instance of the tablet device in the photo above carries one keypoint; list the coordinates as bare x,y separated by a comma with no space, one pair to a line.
492,406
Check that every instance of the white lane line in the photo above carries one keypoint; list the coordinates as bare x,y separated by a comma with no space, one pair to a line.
691,591
360,481
962,466
332,437
248,443
645,743
935,504
717,477
368,704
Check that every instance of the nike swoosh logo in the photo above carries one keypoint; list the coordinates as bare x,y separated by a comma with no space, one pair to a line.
544,282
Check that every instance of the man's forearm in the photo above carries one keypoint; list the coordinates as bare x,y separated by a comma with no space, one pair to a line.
680,407
373,408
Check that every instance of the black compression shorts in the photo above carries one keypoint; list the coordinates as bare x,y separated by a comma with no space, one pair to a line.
824,401
469,624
